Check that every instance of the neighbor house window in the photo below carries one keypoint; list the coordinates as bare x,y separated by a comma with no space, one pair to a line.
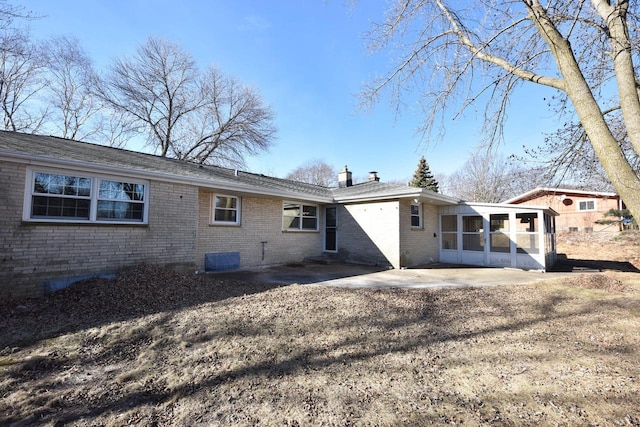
416,215
297,216
71,197
226,210
587,205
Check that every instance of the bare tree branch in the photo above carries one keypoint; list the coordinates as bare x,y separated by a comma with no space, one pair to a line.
483,51
206,118
69,75
21,72
316,172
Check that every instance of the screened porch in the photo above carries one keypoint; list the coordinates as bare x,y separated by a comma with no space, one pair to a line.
498,235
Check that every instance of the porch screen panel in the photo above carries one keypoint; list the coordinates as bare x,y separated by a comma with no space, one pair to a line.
500,241
527,233
449,227
472,233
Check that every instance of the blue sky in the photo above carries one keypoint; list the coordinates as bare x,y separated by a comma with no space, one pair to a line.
309,60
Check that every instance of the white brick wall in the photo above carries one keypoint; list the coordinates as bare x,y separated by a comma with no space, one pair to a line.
418,245
370,233
179,232
31,253
261,221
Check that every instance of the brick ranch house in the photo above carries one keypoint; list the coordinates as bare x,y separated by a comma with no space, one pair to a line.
578,209
73,209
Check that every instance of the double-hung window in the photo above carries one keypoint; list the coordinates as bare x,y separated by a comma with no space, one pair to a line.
58,196
416,215
120,201
78,197
225,210
297,216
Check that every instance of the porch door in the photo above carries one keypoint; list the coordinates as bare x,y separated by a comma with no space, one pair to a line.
330,229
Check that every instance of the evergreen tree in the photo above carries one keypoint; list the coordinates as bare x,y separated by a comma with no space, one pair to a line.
423,178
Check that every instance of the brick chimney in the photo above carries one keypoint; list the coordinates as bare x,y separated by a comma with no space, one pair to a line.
344,178
373,176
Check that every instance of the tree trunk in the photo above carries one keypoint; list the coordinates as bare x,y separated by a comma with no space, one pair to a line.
616,19
605,145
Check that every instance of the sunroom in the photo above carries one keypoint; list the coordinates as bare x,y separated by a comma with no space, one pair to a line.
496,235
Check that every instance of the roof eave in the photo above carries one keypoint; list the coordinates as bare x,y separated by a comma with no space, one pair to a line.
46,161
546,209
533,193
421,195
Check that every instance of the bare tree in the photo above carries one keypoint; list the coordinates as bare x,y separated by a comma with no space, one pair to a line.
10,12
114,128
232,123
481,51
487,178
69,75
567,155
21,80
187,115
316,172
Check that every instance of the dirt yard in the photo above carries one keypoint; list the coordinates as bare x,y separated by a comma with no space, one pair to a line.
154,347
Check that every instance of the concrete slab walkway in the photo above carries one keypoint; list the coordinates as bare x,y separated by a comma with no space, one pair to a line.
361,276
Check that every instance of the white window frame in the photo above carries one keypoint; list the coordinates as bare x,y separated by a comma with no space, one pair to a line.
419,206
595,205
238,210
94,197
300,217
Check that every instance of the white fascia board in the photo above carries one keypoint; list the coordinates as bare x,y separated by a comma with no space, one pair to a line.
507,206
78,165
584,192
419,195
446,200
560,191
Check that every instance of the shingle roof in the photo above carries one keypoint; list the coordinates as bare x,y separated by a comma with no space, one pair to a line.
32,148
53,148
372,188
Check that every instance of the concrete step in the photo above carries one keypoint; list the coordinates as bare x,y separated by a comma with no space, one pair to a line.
323,259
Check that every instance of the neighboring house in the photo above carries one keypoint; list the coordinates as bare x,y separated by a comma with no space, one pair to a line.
72,209
578,210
